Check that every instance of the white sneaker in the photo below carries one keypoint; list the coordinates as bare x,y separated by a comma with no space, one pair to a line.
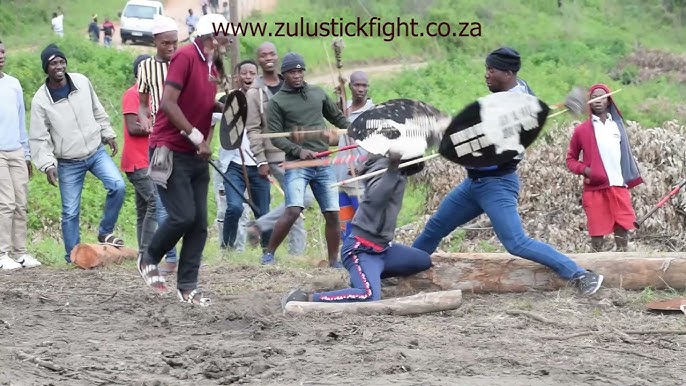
27,261
8,264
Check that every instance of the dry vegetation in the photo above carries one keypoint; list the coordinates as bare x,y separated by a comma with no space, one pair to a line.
652,63
550,197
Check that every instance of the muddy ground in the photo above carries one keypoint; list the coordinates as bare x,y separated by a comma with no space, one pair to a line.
104,327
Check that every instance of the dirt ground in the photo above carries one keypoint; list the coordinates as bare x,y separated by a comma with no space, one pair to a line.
74,327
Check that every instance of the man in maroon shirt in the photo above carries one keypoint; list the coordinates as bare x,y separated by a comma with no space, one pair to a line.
180,154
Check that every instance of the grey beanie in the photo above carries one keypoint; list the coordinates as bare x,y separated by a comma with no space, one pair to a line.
292,61
505,59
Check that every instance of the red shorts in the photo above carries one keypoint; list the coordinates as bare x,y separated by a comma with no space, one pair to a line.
607,209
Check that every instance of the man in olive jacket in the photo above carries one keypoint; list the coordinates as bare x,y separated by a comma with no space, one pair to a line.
299,106
68,129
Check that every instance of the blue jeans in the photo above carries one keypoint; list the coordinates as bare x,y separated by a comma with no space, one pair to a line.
497,197
367,265
161,215
320,179
72,175
259,189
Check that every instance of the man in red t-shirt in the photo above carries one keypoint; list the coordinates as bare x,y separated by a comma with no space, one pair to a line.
134,162
179,162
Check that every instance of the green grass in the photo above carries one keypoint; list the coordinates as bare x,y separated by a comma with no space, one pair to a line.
28,22
580,44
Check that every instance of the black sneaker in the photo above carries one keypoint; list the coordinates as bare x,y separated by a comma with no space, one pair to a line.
588,283
296,295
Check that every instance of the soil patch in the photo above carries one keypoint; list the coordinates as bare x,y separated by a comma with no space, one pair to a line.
60,326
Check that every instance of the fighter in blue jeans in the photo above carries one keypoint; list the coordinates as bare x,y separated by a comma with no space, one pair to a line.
495,190
368,253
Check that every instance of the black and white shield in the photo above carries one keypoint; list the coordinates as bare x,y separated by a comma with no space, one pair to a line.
403,125
232,124
494,129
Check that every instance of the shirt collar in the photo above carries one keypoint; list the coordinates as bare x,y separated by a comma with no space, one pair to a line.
597,118
202,56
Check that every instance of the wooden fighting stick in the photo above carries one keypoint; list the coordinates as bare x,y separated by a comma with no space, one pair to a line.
576,110
306,132
338,46
381,171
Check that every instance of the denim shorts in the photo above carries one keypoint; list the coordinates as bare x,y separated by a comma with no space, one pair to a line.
320,179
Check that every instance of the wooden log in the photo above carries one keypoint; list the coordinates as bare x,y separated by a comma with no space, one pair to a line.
502,272
676,304
410,305
89,256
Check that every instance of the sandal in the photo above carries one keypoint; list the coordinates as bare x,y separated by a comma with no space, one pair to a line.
201,301
152,276
112,240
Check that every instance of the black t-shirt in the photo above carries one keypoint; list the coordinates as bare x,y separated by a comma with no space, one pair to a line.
58,94
276,88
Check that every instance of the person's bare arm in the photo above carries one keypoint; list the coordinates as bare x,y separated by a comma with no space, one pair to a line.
169,104
144,112
133,127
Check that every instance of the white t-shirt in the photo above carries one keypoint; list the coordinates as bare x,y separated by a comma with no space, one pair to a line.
608,138
58,23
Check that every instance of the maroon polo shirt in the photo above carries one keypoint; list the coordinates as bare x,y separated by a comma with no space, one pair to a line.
189,71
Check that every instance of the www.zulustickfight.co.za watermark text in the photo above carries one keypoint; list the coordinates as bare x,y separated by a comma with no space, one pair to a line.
338,27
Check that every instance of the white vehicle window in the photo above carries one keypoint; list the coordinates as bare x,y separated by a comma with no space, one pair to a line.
139,11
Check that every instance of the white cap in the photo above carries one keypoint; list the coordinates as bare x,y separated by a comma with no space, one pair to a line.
164,24
211,23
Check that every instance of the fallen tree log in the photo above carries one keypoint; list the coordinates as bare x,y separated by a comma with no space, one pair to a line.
89,256
410,305
502,272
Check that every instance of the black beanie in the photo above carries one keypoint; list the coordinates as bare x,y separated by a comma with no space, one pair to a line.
291,61
505,59
138,61
49,53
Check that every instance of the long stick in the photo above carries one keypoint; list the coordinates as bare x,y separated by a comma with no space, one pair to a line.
320,162
589,102
252,206
376,173
659,205
245,176
288,134
329,152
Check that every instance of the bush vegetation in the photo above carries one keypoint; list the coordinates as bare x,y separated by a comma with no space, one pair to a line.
580,43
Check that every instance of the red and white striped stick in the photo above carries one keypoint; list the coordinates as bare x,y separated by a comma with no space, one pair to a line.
323,162
329,152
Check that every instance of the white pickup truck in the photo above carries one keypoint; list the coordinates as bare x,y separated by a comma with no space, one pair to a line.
137,20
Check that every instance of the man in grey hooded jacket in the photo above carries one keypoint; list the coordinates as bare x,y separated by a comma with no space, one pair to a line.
368,253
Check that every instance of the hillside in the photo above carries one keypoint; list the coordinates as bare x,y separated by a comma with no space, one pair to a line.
626,44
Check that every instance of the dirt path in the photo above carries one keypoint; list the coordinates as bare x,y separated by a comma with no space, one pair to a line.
178,10
373,71
76,327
